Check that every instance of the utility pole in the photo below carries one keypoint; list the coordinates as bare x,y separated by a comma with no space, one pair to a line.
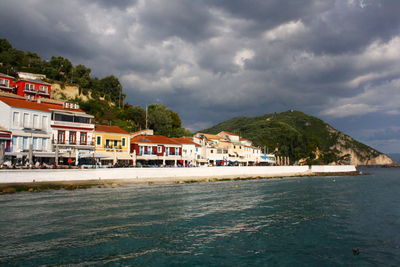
146,118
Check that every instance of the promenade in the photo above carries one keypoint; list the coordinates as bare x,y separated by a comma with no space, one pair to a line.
167,175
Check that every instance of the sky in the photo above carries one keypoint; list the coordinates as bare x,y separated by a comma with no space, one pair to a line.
212,60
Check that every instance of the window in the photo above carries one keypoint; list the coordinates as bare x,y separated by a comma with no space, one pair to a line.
14,143
63,117
141,149
4,82
149,150
83,138
36,121
72,137
44,144
108,143
29,87
25,143
26,120
61,137
123,141
16,118
98,140
167,151
44,122
35,143
159,149
81,119
43,89
177,151
115,143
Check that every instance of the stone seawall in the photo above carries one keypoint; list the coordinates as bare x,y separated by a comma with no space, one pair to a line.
160,174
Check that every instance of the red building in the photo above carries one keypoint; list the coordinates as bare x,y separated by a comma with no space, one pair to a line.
5,139
156,149
33,88
7,83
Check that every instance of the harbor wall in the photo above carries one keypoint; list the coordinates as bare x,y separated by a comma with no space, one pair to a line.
138,174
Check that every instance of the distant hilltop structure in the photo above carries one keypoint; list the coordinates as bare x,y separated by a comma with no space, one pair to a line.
31,76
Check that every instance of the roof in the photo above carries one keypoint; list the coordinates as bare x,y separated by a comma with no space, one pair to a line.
109,129
212,136
154,139
23,103
61,107
6,76
229,133
20,102
33,81
184,140
243,139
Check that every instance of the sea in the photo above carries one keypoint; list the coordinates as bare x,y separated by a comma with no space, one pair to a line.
303,221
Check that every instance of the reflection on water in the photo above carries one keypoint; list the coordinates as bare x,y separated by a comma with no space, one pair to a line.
285,222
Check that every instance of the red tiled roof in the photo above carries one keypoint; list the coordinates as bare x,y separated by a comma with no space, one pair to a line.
229,133
242,139
6,76
23,103
19,102
109,129
153,139
184,140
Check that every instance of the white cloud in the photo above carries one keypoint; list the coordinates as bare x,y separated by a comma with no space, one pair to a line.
285,30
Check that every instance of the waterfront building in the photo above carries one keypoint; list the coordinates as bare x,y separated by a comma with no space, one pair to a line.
112,144
7,83
72,131
190,150
214,148
29,124
227,148
156,150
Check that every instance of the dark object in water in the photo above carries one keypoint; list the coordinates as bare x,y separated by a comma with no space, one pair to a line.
356,251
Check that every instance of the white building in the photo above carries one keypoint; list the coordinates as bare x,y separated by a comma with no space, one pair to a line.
29,123
190,150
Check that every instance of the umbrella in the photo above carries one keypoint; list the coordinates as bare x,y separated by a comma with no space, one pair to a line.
56,155
2,152
30,154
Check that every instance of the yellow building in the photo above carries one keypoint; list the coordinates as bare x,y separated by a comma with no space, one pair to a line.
112,145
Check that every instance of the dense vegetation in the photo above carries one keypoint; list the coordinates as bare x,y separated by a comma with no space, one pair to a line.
106,102
293,134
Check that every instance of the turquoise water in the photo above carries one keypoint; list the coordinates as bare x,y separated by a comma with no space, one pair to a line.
281,222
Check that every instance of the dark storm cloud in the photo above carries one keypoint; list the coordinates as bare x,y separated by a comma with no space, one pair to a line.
188,20
46,28
269,14
121,4
211,60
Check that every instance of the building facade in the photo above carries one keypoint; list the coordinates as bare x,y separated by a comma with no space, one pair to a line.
156,150
29,123
113,145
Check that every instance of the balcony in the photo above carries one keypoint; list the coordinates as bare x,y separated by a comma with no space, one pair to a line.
72,143
30,91
144,153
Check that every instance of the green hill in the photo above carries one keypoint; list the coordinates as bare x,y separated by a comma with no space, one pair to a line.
304,138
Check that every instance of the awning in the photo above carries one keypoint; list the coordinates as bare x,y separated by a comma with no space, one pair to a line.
44,154
35,154
113,155
93,155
